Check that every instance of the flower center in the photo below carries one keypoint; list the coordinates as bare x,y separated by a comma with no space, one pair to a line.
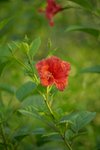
49,75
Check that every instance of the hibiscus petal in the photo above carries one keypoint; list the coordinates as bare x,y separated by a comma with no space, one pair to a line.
61,85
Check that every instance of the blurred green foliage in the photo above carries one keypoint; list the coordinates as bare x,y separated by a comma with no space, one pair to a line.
81,49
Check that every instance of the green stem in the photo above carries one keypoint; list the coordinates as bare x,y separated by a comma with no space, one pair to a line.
36,79
21,63
66,143
30,62
3,137
47,103
31,65
54,120
49,108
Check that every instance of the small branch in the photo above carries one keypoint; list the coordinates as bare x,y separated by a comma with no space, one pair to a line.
66,143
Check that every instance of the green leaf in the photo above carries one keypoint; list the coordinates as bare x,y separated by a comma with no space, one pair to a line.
93,69
3,23
35,100
82,119
25,90
41,89
92,31
7,88
25,47
21,133
33,106
84,3
38,131
26,131
4,52
34,46
13,46
30,111
69,134
52,136
79,119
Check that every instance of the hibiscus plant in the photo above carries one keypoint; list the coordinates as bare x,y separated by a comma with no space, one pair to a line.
36,97
46,78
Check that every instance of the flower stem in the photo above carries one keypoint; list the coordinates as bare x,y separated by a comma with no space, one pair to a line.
51,112
55,121
47,103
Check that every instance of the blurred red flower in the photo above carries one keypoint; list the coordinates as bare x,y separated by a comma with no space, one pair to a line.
51,10
55,71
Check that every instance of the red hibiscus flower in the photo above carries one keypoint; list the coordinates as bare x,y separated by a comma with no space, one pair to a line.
55,71
51,10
